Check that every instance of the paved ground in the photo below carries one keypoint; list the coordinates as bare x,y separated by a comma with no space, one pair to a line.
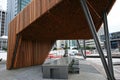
90,69
96,62
87,72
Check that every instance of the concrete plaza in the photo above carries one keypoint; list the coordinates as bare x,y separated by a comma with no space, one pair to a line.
90,69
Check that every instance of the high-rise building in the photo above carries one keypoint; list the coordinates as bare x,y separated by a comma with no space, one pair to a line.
2,22
3,41
72,44
66,43
13,8
21,4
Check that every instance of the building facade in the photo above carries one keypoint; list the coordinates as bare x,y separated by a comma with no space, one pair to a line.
91,43
2,22
114,39
70,44
3,40
21,4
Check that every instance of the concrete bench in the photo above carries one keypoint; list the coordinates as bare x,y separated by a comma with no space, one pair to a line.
59,69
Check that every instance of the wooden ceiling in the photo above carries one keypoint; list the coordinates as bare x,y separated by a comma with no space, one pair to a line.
59,19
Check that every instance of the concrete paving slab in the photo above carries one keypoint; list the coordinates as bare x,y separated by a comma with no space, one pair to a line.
87,72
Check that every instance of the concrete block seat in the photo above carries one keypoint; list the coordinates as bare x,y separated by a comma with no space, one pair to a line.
59,69
74,66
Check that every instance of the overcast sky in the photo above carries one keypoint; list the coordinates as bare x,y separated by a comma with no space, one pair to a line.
3,4
113,17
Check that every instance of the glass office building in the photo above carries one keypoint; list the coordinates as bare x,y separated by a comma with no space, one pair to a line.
114,39
22,4
72,43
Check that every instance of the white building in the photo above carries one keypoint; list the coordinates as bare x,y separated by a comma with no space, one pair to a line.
91,42
3,39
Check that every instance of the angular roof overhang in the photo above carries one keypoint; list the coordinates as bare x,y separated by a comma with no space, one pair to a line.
59,19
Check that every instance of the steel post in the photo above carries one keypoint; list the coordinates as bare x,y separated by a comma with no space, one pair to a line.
107,42
54,45
93,31
119,45
81,49
15,51
84,47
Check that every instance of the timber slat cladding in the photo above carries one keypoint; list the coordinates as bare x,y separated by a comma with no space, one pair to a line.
30,53
33,11
42,22
11,42
65,20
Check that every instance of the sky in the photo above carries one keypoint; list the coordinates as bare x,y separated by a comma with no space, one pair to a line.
113,17
3,4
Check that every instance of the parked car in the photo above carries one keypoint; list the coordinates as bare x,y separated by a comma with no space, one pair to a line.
72,52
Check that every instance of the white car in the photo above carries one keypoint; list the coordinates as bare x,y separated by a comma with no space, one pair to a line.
72,52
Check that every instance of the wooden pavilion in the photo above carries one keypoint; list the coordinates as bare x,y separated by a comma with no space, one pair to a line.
35,29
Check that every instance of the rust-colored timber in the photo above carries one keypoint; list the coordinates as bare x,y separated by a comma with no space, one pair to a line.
42,22
32,53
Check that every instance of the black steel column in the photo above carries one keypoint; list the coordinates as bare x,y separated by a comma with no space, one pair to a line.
81,49
54,45
107,42
15,51
93,30
119,45
84,46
